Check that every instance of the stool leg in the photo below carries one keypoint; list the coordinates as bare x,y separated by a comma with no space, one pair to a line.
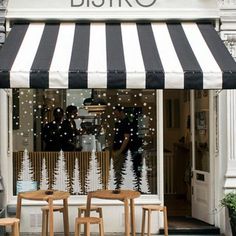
79,212
87,229
76,227
100,212
46,221
15,229
79,229
149,222
101,228
143,222
43,223
165,221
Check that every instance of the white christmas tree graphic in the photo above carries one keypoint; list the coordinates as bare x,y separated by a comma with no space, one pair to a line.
144,182
60,174
93,179
129,177
26,173
25,181
44,178
111,180
76,181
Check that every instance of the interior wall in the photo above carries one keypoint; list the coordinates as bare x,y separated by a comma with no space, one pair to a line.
175,133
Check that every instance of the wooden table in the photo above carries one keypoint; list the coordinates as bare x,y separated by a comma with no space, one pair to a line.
125,196
40,195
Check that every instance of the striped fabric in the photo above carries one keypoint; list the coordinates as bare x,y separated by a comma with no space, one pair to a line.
116,55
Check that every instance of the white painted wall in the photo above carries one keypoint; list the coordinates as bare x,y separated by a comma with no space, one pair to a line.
128,9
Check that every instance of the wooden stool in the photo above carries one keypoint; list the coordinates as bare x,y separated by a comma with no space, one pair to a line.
87,221
82,210
149,209
13,222
45,210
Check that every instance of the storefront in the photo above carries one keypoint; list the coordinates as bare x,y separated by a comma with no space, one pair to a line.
164,63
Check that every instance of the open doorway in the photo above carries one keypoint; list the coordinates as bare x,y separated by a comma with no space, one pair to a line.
177,152
188,188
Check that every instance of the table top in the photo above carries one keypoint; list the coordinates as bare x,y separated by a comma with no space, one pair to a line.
111,194
40,195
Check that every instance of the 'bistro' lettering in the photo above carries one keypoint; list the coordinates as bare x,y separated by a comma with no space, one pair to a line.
121,3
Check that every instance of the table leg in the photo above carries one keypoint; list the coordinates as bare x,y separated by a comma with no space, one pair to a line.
132,215
18,209
127,226
50,204
66,218
88,205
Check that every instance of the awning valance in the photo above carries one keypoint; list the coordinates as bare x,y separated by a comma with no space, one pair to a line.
116,55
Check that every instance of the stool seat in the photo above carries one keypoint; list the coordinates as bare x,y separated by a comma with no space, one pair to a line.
92,208
8,221
153,207
91,220
55,208
150,209
13,222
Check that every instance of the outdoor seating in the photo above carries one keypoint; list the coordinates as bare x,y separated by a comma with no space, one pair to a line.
45,211
149,209
94,208
87,221
13,222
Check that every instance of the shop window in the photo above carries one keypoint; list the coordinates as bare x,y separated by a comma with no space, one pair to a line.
92,163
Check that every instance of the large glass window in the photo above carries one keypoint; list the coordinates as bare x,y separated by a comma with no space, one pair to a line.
84,139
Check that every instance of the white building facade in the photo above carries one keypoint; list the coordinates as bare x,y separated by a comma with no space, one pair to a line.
214,175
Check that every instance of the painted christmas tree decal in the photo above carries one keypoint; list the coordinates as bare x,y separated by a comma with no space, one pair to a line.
129,177
60,174
76,180
144,181
93,179
26,172
44,177
111,180
25,181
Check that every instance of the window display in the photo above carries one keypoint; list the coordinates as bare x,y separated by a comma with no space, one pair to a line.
106,148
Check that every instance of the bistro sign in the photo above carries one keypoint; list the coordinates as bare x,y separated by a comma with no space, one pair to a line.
113,3
102,10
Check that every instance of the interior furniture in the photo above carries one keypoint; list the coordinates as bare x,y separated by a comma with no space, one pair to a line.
82,210
41,195
87,221
13,222
45,210
150,209
126,196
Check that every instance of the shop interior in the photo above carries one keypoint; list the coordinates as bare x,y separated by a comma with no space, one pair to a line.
178,151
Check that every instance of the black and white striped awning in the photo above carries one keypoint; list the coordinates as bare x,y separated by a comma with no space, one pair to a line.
121,55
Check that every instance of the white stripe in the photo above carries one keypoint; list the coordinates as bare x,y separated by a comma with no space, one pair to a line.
20,71
136,76
212,75
174,76
58,72
97,64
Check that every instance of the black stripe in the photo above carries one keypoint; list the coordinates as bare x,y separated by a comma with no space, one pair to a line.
78,70
116,71
221,55
152,62
9,51
39,75
193,75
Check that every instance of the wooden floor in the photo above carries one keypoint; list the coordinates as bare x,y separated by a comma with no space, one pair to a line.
177,205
